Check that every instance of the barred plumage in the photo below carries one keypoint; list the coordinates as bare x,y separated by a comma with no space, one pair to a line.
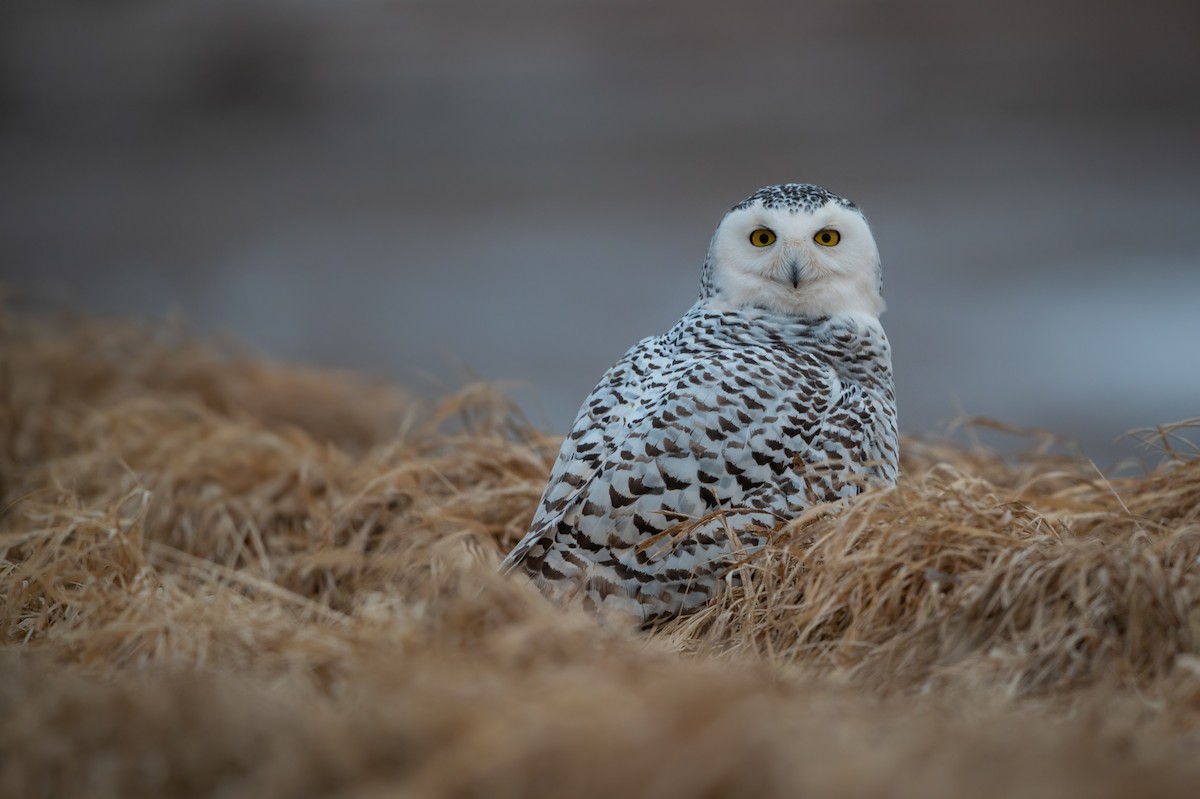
772,394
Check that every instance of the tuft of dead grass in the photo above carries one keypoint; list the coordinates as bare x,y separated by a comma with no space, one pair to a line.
225,577
1035,582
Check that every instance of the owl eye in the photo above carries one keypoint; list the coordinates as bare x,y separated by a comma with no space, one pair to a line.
762,237
827,237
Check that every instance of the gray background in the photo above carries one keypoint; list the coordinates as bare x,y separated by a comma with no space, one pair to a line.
431,191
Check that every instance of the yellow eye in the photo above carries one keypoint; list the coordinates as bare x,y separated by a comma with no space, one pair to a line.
762,237
827,237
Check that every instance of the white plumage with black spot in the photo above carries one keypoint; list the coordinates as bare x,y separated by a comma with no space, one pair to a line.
772,394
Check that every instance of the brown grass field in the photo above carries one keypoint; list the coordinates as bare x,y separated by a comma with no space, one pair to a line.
226,577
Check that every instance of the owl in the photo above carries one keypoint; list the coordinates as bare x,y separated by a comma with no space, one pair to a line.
771,395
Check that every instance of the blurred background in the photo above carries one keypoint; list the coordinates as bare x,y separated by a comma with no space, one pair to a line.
432,191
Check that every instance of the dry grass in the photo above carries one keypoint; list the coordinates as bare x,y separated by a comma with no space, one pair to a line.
222,577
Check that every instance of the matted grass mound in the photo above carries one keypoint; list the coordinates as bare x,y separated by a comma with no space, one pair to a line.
223,577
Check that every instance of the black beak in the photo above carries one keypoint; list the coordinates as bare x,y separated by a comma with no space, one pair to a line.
794,274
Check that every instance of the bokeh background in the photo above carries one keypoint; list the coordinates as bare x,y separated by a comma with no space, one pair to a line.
432,191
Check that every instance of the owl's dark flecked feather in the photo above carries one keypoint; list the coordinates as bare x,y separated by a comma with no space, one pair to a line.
794,197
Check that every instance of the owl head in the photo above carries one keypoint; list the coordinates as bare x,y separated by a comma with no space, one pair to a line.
794,249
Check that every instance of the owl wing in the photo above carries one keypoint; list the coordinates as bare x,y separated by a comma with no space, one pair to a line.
678,447
601,421
670,435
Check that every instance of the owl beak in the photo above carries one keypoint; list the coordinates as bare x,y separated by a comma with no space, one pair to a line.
793,273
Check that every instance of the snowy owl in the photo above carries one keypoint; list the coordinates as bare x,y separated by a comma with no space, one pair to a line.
772,394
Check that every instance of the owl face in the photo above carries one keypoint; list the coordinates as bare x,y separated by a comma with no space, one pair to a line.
810,258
